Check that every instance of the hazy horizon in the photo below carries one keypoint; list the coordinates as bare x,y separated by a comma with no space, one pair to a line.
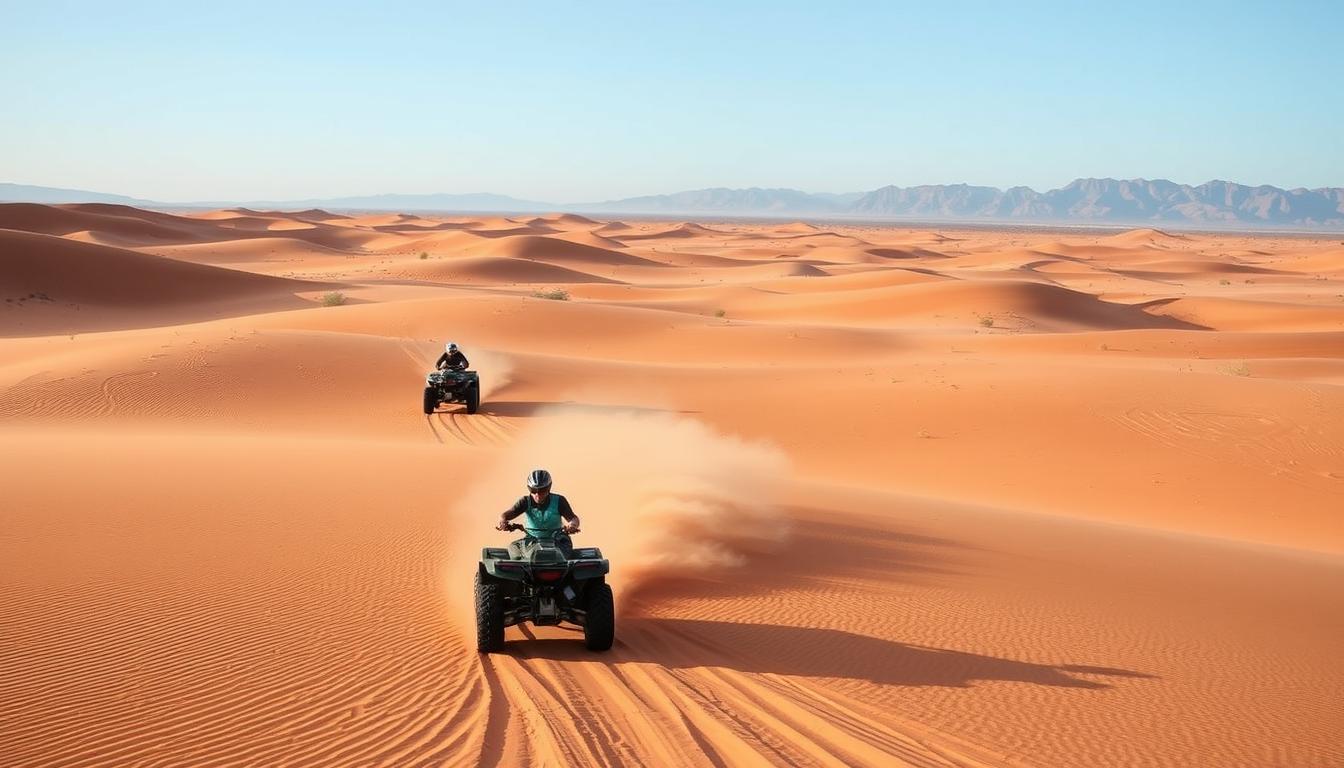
667,193
306,101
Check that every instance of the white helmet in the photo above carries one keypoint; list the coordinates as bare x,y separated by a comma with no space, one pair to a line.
450,347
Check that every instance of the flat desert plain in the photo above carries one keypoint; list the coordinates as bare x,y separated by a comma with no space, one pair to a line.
872,495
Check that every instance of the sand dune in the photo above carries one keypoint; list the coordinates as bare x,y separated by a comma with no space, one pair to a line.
676,232
108,224
446,241
585,237
504,270
131,227
864,254
873,496
565,220
1250,315
1018,305
55,285
249,251
1210,267
1154,237
539,248
854,281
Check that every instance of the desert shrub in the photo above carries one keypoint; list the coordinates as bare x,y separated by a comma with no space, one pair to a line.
555,294
424,255
333,299
719,313
1240,369
987,321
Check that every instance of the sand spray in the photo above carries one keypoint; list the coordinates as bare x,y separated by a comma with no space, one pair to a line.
663,495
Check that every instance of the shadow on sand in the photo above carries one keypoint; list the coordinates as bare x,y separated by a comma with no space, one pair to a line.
809,652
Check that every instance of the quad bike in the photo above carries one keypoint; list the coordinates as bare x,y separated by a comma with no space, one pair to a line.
448,386
545,585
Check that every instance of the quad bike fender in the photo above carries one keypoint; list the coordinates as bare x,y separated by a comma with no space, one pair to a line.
582,570
510,570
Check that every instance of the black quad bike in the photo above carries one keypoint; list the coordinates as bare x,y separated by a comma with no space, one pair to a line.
545,587
452,387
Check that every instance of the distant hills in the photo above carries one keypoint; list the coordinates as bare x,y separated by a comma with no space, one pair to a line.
23,193
1113,200
753,201
1095,201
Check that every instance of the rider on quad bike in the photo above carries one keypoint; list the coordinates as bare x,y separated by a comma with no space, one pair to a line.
451,359
541,579
544,510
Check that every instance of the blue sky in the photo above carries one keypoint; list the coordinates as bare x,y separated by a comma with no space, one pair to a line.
578,102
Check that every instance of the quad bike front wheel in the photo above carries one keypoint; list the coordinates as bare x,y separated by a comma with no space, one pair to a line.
431,399
489,615
473,399
599,627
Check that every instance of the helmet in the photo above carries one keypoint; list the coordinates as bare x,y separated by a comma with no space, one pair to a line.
539,480
450,347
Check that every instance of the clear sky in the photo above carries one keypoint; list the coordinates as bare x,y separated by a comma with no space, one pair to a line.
572,102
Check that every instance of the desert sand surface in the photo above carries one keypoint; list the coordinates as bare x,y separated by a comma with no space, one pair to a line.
872,495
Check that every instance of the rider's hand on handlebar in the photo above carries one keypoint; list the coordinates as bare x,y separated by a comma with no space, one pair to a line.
571,528
504,525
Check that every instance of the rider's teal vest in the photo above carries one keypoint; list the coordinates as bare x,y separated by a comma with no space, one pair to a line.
544,522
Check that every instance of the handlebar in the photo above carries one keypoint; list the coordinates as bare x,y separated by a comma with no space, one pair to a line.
517,527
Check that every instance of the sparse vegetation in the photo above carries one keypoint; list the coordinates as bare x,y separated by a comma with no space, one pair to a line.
1240,369
1224,281
987,321
39,296
424,255
555,294
333,299
719,313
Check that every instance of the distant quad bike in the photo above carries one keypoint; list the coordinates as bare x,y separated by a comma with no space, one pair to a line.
545,587
452,387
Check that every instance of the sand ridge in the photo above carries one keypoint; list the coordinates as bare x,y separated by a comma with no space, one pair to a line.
954,497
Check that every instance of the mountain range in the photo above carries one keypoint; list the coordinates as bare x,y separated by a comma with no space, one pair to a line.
1098,201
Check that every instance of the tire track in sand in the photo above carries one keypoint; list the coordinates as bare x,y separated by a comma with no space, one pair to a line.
453,429
480,427
429,422
614,713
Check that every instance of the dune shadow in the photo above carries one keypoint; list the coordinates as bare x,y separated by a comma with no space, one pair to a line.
522,229
813,652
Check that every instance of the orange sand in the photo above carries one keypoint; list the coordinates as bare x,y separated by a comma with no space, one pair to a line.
873,496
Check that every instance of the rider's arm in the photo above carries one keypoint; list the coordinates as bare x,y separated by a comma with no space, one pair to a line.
518,508
462,362
567,512
442,359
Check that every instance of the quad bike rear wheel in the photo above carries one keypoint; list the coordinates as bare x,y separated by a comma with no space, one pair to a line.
489,615
599,627
473,399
